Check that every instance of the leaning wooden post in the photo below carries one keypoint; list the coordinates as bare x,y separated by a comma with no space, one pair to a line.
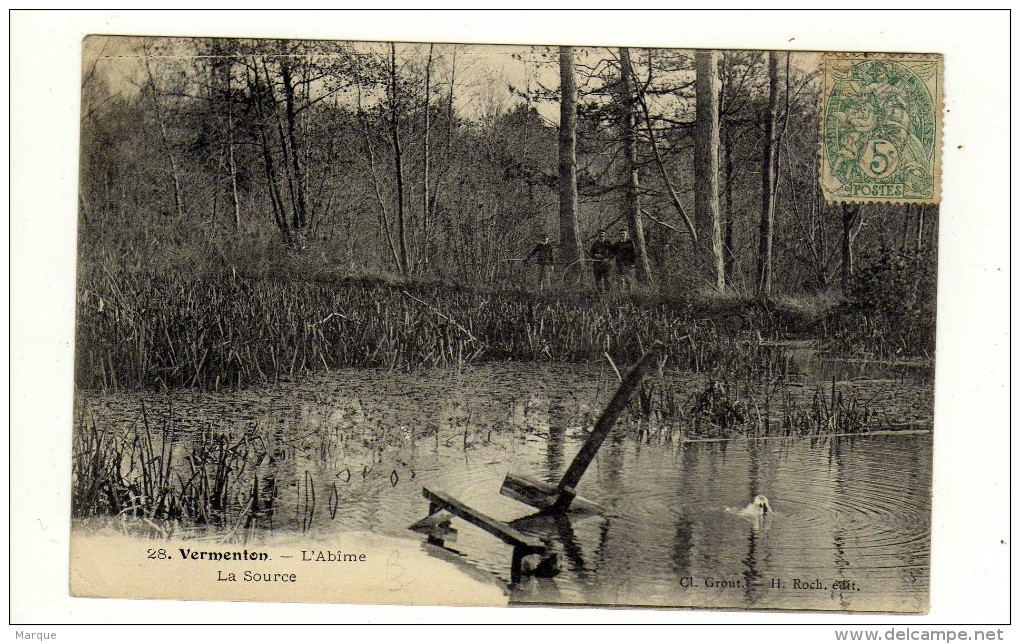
602,428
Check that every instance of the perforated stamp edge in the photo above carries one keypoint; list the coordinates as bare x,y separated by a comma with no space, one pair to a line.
832,187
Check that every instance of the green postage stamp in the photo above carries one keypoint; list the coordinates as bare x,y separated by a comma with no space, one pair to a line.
881,128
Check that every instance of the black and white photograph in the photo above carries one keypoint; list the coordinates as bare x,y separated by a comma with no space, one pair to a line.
449,323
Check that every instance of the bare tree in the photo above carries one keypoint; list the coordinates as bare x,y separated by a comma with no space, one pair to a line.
384,217
738,87
263,104
632,198
398,156
429,218
425,158
853,221
922,209
706,168
231,158
289,144
570,231
769,179
161,120
660,163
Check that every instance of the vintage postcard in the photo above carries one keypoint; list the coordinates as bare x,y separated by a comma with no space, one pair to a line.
462,324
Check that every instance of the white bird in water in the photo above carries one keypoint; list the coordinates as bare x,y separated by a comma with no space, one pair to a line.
756,511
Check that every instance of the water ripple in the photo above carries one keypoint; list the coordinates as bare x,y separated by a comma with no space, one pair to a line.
855,508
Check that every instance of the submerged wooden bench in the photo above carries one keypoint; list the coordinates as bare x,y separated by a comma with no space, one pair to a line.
523,544
546,498
558,499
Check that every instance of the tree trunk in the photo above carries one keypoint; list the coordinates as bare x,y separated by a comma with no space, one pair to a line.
441,170
384,217
570,230
906,227
818,226
271,105
729,252
422,244
232,163
286,167
706,169
299,184
398,161
847,269
632,199
920,225
661,164
165,138
279,215
850,217
259,99
769,171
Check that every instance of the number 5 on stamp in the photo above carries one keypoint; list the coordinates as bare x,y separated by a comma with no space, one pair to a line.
881,128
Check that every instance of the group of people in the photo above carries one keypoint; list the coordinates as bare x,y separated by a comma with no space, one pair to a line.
603,254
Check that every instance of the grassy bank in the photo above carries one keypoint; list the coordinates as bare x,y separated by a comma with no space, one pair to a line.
137,331
213,327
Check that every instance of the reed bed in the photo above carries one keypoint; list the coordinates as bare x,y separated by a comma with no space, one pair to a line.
149,474
136,331
156,466
878,335
745,409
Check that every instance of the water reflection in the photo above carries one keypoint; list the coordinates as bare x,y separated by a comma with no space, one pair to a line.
351,451
753,579
559,420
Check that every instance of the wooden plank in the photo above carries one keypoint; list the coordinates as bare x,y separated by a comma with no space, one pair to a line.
546,498
538,494
541,495
603,426
498,528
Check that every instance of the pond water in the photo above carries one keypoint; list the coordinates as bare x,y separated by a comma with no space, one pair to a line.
850,528
805,360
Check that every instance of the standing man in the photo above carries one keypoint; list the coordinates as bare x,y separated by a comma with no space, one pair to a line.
626,259
602,252
545,256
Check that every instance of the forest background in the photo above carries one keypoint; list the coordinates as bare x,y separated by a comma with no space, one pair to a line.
441,165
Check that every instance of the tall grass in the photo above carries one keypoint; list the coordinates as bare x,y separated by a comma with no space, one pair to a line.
736,408
147,474
140,331
879,335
